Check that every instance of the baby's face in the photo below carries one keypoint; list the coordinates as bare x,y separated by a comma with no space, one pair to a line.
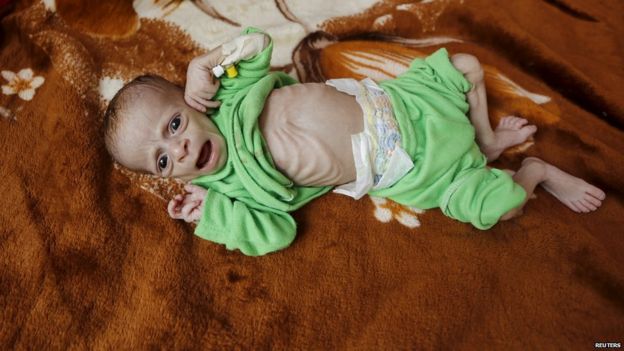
166,137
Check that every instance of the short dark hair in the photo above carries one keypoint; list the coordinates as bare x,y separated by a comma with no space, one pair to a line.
119,103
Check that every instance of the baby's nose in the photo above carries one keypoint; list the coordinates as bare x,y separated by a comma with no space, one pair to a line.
180,149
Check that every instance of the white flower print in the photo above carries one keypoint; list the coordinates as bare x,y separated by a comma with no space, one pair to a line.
386,210
23,83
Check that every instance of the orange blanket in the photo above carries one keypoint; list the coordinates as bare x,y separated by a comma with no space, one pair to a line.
89,258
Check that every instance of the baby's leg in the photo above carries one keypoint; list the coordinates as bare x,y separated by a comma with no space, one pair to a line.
510,131
573,192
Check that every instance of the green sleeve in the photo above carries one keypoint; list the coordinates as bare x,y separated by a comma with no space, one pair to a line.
254,231
250,70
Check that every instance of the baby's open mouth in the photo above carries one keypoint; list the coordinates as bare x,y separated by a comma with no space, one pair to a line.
204,155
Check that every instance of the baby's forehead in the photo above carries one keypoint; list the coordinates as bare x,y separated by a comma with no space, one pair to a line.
135,129
154,95
148,103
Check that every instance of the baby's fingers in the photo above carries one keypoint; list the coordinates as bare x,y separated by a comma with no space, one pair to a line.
206,102
173,209
194,104
195,191
187,209
201,93
195,215
213,103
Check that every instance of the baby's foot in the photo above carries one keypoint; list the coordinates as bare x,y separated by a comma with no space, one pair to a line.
573,192
511,131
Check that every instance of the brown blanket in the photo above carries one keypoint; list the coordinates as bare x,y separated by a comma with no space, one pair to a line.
89,258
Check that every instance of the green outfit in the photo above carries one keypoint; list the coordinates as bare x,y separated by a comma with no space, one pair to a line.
248,199
429,102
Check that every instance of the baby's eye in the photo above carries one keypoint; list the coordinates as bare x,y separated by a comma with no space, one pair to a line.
175,123
162,162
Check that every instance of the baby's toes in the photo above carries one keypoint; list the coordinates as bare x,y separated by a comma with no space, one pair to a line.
524,133
596,192
520,122
581,206
593,200
506,121
588,204
528,130
573,206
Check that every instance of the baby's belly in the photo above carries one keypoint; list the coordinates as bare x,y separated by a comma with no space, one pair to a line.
308,128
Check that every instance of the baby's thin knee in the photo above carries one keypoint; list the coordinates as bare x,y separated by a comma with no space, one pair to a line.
470,66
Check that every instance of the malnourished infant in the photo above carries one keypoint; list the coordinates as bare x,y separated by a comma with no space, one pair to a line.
270,145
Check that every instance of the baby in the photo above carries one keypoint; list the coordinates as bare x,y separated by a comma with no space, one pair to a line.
269,145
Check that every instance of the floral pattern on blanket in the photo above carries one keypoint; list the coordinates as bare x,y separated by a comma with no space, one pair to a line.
388,210
22,83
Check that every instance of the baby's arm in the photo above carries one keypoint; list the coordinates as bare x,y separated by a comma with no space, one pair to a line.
253,231
201,83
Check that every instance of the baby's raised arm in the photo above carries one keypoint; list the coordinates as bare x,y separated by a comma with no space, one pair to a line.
202,73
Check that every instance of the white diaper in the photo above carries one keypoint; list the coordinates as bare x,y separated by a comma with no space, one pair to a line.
379,159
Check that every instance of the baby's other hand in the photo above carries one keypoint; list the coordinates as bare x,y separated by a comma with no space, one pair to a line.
190,206
201,85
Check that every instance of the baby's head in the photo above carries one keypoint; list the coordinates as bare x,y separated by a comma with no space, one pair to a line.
150,129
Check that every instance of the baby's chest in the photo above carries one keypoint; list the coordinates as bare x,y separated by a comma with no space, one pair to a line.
308,128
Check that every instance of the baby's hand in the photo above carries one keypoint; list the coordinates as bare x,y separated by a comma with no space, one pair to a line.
201,84
189,206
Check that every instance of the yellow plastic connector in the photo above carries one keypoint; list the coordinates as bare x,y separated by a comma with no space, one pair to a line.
231,71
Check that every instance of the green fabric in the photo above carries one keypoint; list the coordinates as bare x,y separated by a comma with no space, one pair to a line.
248,199
449,170
480,195
254,231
